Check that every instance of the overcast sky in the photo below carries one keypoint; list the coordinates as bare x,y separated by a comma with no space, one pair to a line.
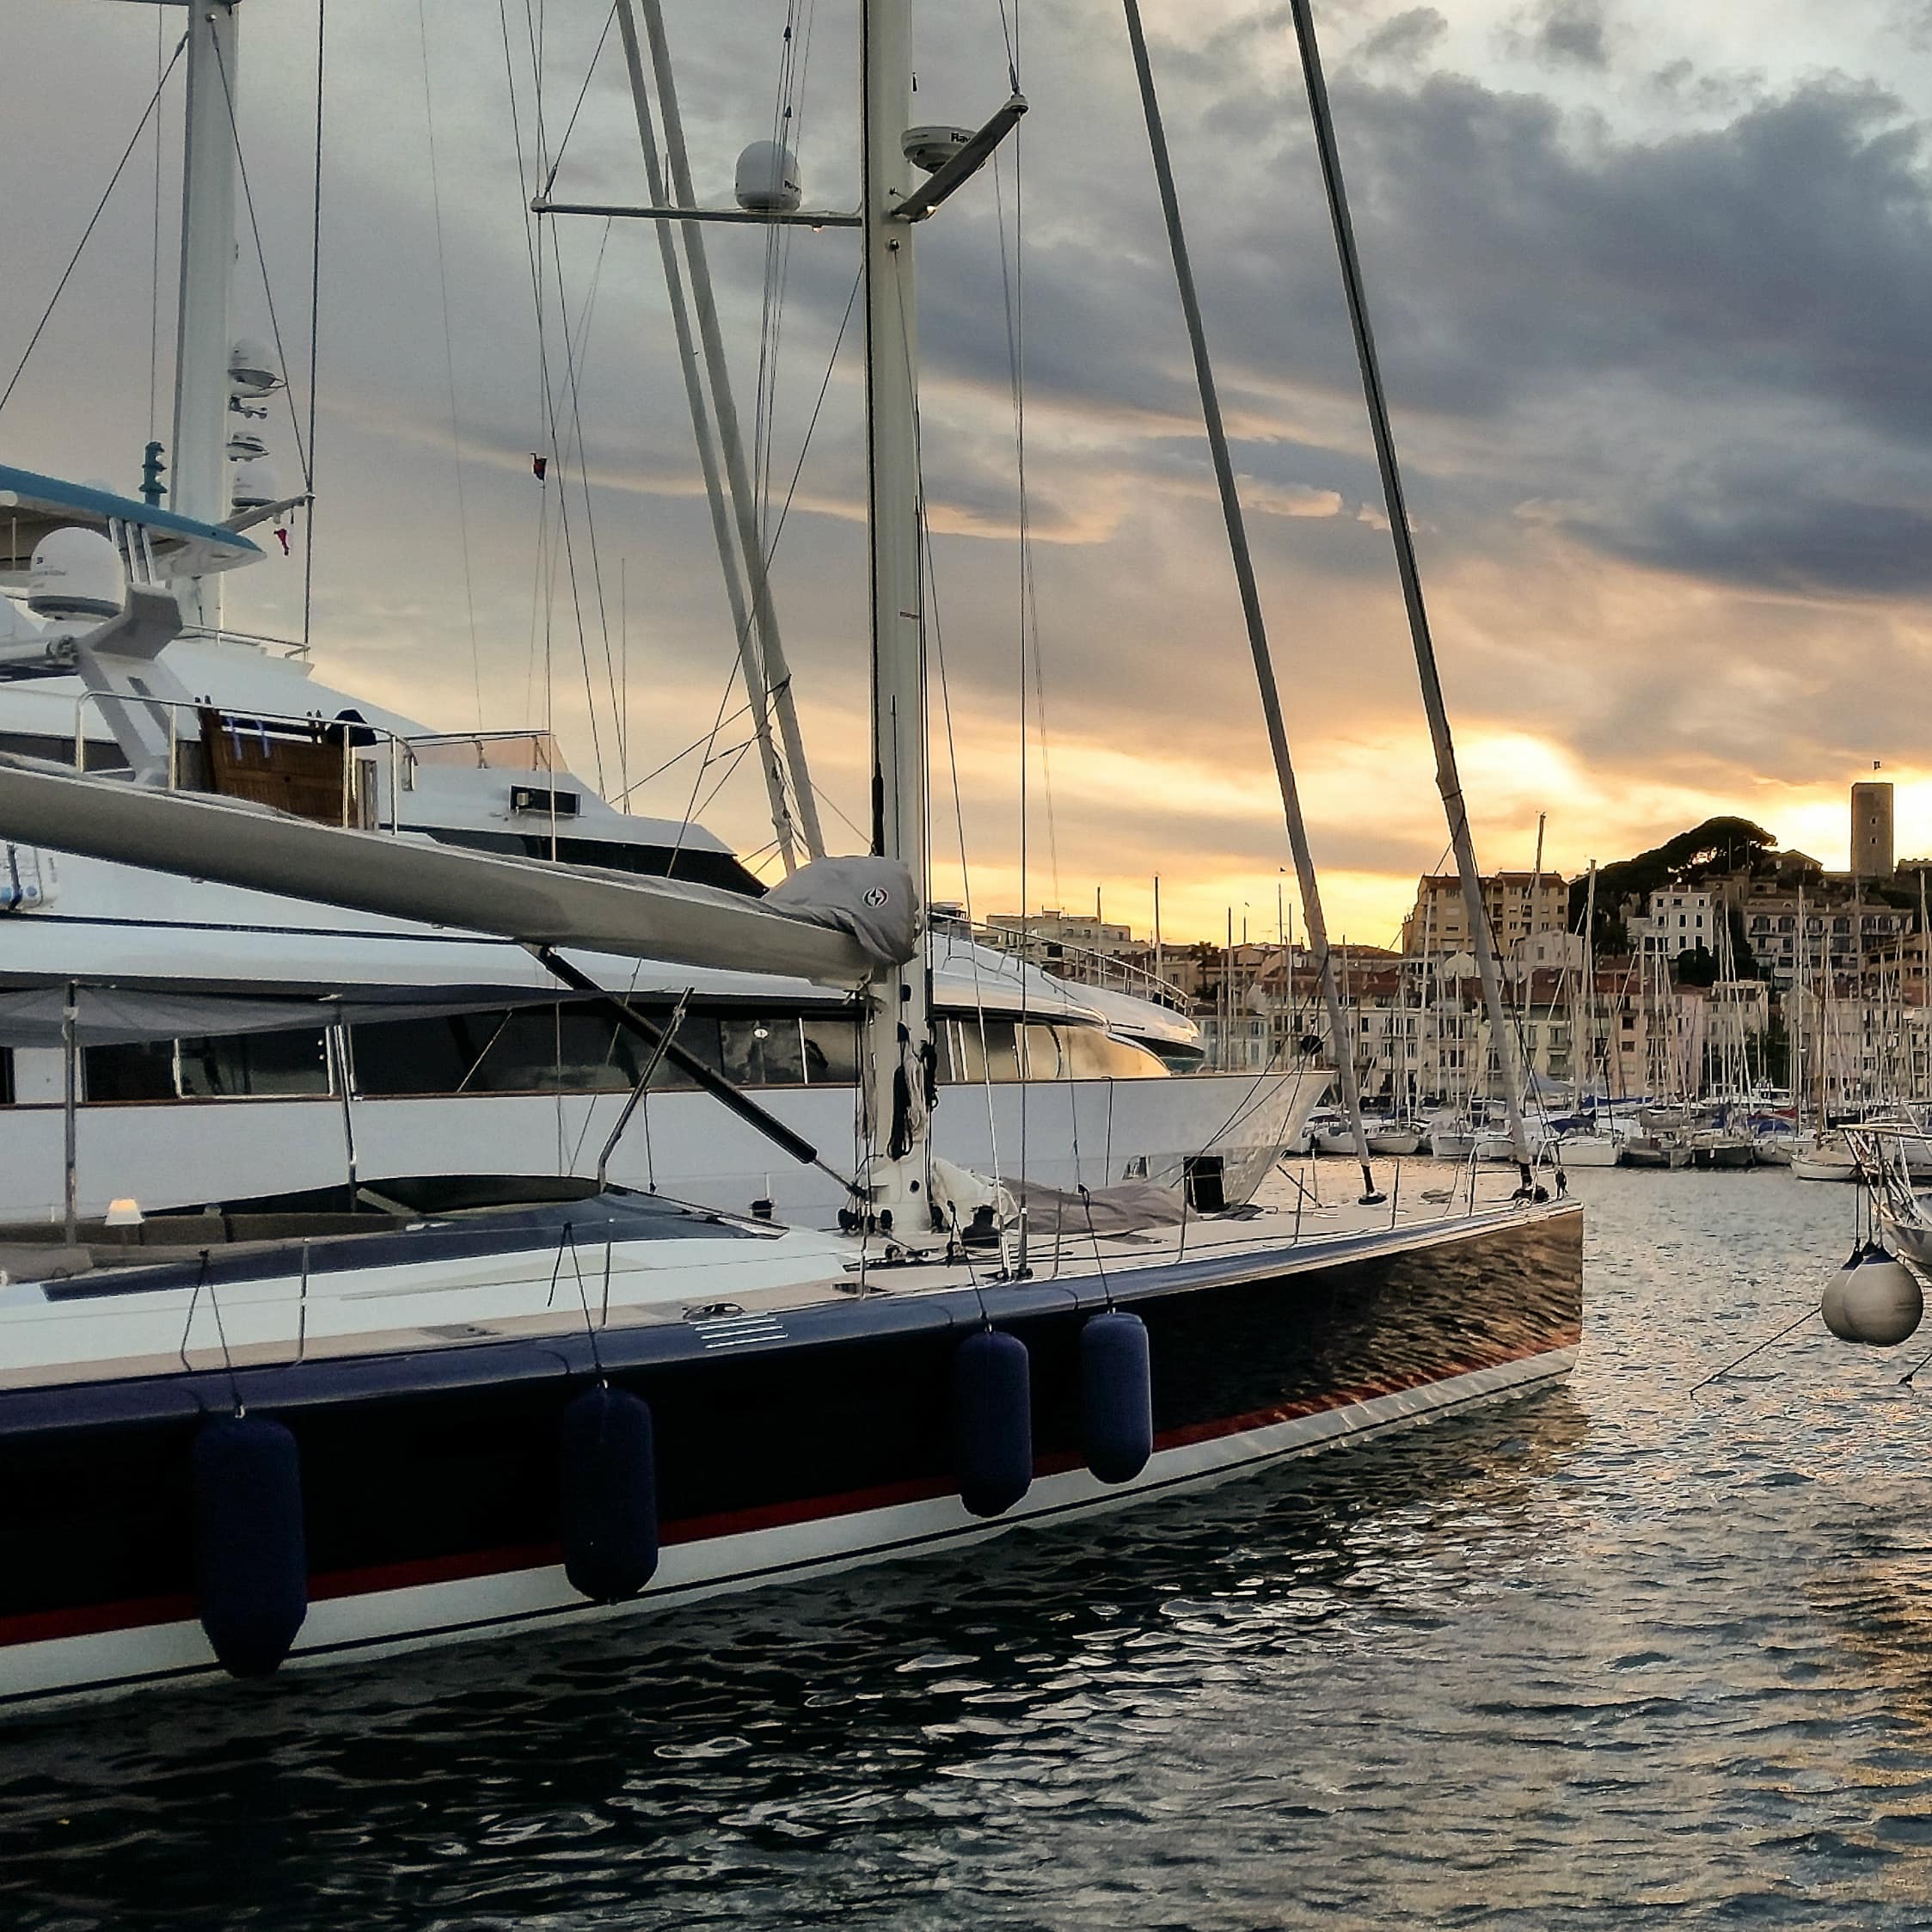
1652,286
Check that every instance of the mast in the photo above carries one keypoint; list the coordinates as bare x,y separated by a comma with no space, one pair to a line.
899,1035
1448,780
1313,919
752,666
1588,1057
203,324
776,673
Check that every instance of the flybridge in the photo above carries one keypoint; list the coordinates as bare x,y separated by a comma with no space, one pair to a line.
32,505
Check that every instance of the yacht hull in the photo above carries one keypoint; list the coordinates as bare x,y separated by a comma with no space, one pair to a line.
807,1440
1075,1132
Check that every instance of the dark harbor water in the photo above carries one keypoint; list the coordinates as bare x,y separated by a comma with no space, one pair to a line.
1606,1657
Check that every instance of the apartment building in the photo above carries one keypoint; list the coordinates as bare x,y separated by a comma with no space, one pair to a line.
1520,904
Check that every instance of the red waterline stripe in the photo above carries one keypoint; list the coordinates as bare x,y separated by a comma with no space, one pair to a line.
141,1612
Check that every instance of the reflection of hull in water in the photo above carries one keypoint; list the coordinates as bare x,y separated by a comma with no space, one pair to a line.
1725,1152
1589,1150
429,1457
1648,1150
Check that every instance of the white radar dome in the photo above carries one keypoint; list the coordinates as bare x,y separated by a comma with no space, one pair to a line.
768,179
251,369
931,147
74,572
254,485
245,443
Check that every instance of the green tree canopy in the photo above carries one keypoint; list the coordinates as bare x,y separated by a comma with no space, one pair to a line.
1721,844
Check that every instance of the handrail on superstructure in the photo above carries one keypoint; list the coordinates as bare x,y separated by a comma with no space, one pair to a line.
401,757
1086,966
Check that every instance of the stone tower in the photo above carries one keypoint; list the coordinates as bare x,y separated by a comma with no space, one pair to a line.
1871,829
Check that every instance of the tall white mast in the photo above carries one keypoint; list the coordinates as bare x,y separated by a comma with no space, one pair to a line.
900,1034
199,459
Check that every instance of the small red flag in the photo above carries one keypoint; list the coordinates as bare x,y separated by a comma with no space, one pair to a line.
538,465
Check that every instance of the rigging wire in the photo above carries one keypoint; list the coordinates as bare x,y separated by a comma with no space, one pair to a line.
534,29
786,123
314,348
590,71
930,602
154,268
450,369
262,263
93,221
574,362
831,363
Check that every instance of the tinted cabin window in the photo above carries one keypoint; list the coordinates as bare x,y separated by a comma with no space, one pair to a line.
261,1066
1096,1056
762,1053
703,868
421,1056
832,1052
231,1066
1041,1053
143,1070
984,1049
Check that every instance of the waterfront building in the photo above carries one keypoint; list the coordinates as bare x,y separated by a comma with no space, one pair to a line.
1676,920
1839,930
1520,903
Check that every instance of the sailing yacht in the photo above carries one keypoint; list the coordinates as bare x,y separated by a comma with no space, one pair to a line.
318,1422
170,1040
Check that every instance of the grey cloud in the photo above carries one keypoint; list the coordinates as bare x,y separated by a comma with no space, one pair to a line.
1569,31
1407,38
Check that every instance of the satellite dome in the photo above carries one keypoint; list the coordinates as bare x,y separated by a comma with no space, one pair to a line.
254,485
251,369
74,572
768,179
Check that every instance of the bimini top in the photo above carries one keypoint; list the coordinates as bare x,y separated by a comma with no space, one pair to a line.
31,505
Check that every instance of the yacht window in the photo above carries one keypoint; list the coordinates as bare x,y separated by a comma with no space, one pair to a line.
141,1071
574,1050
832,1052
542,1048
984,1048
6,1076
700,865
258,1064
762,1053
1041,1053
421,1056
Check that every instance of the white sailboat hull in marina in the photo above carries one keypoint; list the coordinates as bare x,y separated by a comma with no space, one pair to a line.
1816,1164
